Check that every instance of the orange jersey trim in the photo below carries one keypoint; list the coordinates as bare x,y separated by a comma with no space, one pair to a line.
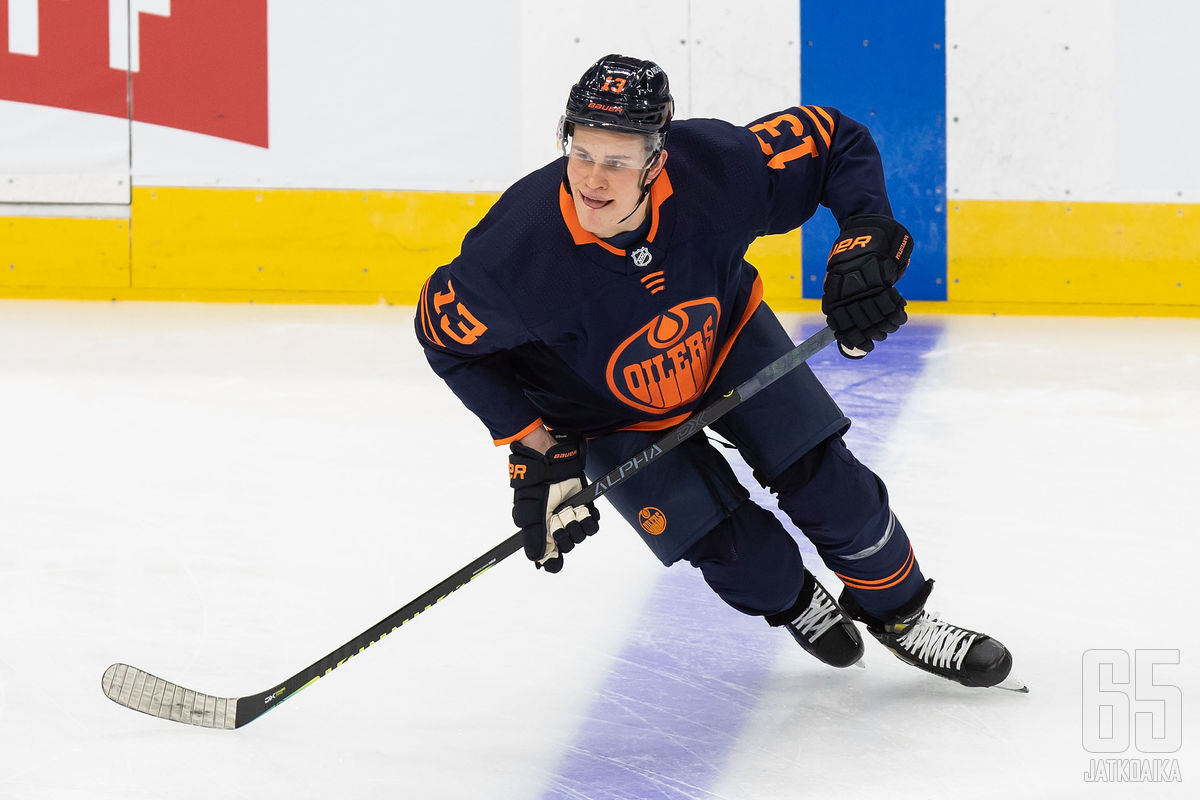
659,192
756,295
533,426
825,135
883,583
426,323
825,115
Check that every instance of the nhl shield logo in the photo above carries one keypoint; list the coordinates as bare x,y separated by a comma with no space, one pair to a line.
642,256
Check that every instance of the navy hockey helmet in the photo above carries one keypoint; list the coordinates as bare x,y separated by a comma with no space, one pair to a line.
621,93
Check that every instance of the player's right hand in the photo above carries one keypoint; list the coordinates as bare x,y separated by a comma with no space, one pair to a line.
540,482
861,301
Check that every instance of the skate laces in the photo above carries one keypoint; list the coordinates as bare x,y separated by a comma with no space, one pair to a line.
937,642
821,615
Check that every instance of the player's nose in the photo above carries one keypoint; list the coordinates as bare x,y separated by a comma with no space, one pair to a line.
597,175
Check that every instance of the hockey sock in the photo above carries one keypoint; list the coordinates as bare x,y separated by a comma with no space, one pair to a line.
750,561
842,507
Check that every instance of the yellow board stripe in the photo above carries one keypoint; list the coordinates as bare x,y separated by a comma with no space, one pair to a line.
61,255
334,246
1128,254
382,243
778,261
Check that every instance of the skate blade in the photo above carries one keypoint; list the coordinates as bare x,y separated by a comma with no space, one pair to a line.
1013,685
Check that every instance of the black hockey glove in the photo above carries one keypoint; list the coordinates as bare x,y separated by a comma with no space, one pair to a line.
860,299
540,483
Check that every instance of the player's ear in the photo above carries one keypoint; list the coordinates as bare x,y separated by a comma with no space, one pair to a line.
659,163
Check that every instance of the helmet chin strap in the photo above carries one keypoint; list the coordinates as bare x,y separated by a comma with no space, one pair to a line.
642,196
645,188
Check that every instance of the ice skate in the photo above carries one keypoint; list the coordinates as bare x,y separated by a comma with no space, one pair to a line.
934,645
820,625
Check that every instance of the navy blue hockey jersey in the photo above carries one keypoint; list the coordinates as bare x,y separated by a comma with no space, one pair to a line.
538,321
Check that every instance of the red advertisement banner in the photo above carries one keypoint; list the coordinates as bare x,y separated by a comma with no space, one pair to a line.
201,66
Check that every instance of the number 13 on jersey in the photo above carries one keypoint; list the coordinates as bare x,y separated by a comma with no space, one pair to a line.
787,129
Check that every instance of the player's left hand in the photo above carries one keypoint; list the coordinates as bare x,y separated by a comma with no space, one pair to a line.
861,301
540,483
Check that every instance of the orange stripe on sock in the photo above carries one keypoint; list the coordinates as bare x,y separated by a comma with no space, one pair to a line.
883,583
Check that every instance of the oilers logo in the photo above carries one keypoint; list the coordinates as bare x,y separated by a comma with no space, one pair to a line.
652,520
667,363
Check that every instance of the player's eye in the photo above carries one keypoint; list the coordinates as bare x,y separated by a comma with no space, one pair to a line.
609,162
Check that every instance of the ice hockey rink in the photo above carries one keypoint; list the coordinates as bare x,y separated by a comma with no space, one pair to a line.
221,494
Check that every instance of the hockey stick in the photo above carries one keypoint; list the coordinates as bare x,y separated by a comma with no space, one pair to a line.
134,688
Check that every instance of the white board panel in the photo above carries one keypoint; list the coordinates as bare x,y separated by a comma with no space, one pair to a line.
1046,99
744,58
465,96
52,155
1156,101
1029,99
77,188
1062,100
372,94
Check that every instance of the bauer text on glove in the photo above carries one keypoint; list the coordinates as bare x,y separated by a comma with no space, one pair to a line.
860,299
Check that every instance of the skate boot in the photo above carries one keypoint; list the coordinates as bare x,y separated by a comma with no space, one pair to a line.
820,626
934,645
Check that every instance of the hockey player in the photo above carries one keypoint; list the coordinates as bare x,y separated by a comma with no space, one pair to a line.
605,297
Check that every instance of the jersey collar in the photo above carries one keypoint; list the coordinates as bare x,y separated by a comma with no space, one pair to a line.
659,192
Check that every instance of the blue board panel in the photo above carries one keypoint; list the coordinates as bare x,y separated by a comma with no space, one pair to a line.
884,64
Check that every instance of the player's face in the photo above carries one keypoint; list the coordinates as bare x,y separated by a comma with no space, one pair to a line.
606,171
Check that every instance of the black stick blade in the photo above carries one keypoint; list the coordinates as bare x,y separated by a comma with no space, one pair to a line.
134,688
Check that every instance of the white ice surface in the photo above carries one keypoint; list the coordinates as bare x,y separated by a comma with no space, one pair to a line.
222,494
